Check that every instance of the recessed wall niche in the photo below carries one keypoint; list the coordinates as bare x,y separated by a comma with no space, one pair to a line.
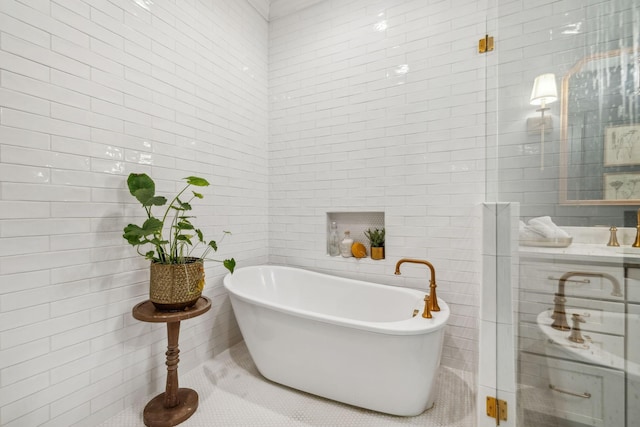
356,223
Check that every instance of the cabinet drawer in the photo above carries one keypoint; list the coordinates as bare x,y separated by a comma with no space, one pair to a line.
633,340
632,282
633,362
573,391
545,277
598,349
599,316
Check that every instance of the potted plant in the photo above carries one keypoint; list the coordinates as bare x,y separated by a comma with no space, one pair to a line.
376,240
177,276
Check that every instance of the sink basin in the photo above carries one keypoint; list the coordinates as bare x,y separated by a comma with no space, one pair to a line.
593,351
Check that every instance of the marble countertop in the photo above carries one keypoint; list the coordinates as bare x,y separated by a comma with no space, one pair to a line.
590,245
587,252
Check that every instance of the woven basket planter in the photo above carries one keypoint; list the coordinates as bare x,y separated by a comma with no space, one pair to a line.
174,287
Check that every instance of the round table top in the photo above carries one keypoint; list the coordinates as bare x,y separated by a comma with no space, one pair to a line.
146,311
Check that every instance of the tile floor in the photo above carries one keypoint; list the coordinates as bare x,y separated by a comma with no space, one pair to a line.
233,393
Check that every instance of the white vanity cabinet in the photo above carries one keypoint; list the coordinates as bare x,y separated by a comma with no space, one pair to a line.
579,383
633,344
575,392
544,277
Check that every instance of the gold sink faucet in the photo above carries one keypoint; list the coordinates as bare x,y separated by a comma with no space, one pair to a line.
559,315
431,300
636,244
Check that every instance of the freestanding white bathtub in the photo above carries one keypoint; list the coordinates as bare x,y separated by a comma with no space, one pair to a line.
347,340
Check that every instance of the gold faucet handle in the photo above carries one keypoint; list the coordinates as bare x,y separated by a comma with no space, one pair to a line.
613,238
576,335
577,319
427,311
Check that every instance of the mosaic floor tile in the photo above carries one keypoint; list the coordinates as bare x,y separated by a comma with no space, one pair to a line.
233,393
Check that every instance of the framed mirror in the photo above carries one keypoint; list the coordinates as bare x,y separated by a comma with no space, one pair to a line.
600,130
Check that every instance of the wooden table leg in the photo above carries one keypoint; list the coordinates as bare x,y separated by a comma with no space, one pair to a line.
176,404
171,390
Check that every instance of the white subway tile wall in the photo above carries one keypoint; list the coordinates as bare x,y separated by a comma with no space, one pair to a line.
379,106
89,92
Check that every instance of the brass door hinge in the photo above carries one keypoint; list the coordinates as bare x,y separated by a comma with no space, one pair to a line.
485,44
497,409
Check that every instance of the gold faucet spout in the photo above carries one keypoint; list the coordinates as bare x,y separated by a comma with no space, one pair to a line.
559,312
432,301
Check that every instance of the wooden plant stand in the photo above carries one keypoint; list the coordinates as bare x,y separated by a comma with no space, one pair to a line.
176,404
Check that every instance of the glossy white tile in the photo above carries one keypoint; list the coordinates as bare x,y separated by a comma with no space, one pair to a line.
24,174
505,266
24,138
489,297
44,90
506,358
487,376
108,69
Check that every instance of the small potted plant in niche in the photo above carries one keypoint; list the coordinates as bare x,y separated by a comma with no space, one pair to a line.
376,240
177,276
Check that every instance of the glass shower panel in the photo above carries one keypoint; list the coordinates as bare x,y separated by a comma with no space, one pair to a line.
563,150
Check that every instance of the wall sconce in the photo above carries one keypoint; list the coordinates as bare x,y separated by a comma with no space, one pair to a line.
544,92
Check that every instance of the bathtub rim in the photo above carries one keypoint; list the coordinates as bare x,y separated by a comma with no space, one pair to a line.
410,326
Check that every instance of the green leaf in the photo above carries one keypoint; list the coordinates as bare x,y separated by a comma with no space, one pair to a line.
184,225
155,201
230,264
184,238
149,255
157,242
200,235
140,181
152,225
133,230
142,187
199,182
198,195
214,245
133,234
181,206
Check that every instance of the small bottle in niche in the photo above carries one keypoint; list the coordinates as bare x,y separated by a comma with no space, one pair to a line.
333,243
345,245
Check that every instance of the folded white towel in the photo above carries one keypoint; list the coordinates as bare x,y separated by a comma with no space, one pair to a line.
545,227
528,233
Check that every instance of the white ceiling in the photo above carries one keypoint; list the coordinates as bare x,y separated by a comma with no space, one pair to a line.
274,9
261,6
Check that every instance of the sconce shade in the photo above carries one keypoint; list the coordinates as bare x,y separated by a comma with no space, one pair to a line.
544,90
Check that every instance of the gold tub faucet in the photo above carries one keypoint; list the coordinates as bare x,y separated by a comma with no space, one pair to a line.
431,301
